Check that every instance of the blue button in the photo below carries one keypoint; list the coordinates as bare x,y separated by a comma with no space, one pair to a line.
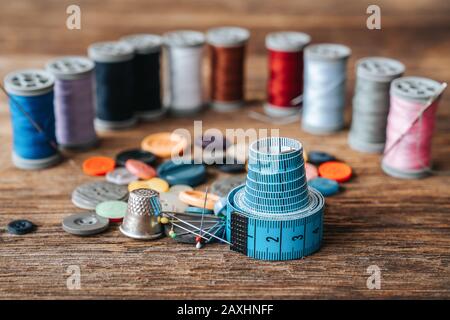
183,173
319,157
326,187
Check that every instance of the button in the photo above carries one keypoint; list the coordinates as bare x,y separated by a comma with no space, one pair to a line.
335,170
88,195
140,169
184,173
20,227
197,199
120,176
325,186
218,142
311,171
231,168
164,144
223,186
98,166
136,154
319,157
156,184
172,203
85,224
113,210
180,187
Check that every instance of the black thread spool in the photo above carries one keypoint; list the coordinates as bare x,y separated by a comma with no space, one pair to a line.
114,85
146,75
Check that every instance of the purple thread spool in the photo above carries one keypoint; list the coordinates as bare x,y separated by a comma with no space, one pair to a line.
74,101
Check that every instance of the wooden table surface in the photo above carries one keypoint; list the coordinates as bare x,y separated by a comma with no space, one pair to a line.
401,226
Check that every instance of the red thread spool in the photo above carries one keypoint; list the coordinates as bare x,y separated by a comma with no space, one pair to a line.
285,85
227,59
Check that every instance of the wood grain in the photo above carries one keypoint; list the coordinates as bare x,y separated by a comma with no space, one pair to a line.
401,226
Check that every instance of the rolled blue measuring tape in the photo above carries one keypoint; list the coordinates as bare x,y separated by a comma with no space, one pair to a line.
274,215
276,237
31,103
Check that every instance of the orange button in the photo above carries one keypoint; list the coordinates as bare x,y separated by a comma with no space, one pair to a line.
335,170
98,166
197,199
164,144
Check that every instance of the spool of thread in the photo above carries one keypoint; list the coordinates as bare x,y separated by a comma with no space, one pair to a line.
227,59
371,102
74,101
31,104
414,101
285,85
146,75
185,87
114,85
324,91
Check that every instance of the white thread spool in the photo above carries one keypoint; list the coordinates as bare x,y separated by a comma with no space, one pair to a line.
185,53
324,91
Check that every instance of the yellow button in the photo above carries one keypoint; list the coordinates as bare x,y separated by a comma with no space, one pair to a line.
164,144
156,184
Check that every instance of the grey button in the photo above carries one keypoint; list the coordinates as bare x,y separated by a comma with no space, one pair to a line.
85,224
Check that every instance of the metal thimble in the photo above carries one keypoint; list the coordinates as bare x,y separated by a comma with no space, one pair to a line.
141,219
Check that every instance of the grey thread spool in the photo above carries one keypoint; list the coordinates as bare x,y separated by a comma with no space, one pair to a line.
184,80
324,90
286,41
371,102
147,76
228,37
74,101
141,219
114,84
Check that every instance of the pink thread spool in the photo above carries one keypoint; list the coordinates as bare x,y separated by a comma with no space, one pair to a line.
414,101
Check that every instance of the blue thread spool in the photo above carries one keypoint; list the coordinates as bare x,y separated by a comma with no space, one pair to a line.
32,90
146,75
114,85
324,90
275,216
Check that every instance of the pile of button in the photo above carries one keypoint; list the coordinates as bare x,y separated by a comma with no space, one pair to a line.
135,169
324,173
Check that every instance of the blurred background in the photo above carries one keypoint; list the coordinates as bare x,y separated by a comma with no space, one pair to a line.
415,32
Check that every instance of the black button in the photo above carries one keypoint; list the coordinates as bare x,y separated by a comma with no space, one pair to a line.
136,154
20,227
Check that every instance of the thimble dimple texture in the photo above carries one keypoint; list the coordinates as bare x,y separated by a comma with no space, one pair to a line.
144,202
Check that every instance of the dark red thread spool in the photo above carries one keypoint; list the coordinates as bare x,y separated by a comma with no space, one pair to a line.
227,61
285,83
